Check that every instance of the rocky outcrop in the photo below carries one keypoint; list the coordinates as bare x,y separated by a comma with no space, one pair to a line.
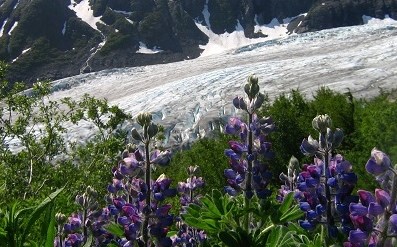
328,14
45,39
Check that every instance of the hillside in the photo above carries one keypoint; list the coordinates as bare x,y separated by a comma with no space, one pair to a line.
53,39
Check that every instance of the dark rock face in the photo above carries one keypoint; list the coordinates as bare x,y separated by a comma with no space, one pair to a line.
45,39
329,14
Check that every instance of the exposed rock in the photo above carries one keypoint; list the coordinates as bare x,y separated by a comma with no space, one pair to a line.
48,40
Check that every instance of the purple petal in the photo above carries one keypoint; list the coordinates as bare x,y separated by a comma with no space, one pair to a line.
378,163
375,209
358,209
230,191
382,197
163,210
162,158
304,206
237,147
230,174
311,215
393,223
306,225
343,167
357,237
366,197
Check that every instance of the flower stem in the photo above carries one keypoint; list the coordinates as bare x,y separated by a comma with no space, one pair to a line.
248,188
389,210
145,230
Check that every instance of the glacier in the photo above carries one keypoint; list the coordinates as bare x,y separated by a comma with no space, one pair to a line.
193,97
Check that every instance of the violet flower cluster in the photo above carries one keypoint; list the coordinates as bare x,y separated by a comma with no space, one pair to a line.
375,215
136,213
313,199
248,170
324,188
186,235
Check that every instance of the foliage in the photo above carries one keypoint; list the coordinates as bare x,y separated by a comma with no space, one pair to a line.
316,206
45,160
205,152
17,224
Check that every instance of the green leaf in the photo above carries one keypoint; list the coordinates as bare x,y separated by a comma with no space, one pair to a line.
286,204
171,233
280,236
218,200
210,206
115,229
229,238
37,213
191,211
291,215
51,231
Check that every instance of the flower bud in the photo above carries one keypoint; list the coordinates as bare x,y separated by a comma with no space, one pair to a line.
293,167
60,218
192,170
260,98
321,123
153,129
135,134
338,138
239,103
252,87
144,119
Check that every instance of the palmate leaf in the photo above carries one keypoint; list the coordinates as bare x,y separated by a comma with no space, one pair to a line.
115,229
281,236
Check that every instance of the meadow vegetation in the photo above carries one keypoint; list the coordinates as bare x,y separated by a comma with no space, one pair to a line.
124,188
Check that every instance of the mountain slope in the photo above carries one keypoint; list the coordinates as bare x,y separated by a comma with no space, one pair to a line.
52,39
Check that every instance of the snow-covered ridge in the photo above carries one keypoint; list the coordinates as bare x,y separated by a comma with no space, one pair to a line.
83,11
188,97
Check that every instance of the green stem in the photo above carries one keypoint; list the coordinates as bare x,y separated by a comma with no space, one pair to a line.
248,189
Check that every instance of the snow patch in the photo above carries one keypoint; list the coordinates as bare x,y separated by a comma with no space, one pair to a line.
23,52
219,43
13,27
2,27
121,12
83,11
375,21
274,29
129,20
15,6
144,50
64,28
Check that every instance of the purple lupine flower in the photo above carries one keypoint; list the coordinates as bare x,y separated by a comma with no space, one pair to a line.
161,158
379,163
382,197
357,237
393,223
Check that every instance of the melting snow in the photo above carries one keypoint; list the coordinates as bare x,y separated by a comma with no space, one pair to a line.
64,28
144,50
2,27
23,52
122,12
13,27
83,11
227,41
